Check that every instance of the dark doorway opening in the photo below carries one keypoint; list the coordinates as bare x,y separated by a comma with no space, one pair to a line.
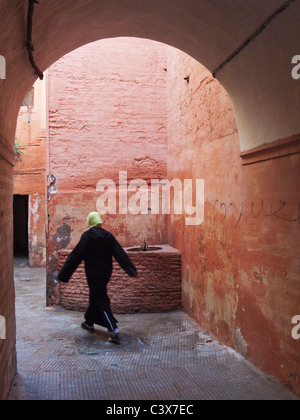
21,238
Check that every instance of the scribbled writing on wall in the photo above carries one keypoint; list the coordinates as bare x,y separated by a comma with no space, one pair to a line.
227,216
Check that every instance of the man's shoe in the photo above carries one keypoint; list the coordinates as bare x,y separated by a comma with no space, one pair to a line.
115,338
87,327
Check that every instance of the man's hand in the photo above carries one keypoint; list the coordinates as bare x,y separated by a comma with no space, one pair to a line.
55,276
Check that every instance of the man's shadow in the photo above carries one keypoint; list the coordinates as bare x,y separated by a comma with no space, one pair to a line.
97,341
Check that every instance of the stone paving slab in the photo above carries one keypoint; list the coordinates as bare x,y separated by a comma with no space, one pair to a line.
164,356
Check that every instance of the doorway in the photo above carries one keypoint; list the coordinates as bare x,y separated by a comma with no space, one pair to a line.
20,208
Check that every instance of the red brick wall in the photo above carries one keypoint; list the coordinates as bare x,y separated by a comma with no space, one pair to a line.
107,114
156,289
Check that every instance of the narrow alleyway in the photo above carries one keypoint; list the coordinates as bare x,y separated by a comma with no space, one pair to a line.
162,357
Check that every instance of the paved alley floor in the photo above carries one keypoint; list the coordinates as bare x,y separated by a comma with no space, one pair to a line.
162,357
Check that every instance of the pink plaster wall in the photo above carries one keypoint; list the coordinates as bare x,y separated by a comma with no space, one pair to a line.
107,113
30,171
240,268
204,145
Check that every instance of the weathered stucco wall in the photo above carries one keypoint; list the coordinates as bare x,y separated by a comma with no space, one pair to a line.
269,278
241,266
30,170
204,145
7,291
107,114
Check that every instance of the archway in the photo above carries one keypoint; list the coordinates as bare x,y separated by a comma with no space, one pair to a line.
257,51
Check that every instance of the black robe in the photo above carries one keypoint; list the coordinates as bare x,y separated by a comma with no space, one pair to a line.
96,248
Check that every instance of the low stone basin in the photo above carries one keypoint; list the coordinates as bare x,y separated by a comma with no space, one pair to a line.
156,289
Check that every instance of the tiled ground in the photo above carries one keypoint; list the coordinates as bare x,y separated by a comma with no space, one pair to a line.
162,357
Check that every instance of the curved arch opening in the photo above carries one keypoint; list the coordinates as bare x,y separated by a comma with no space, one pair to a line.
118,105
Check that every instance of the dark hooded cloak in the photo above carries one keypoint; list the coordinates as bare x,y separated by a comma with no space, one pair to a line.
96,248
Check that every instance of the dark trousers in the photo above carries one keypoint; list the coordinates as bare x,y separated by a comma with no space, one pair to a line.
99,310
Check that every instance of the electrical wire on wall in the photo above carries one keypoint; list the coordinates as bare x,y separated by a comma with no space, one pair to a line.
251,38
29,44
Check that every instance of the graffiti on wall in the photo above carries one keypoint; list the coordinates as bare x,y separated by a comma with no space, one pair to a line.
229,215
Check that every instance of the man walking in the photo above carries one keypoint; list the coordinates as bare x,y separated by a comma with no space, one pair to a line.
96,248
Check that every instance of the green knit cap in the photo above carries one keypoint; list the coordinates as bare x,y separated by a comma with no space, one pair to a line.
94,219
